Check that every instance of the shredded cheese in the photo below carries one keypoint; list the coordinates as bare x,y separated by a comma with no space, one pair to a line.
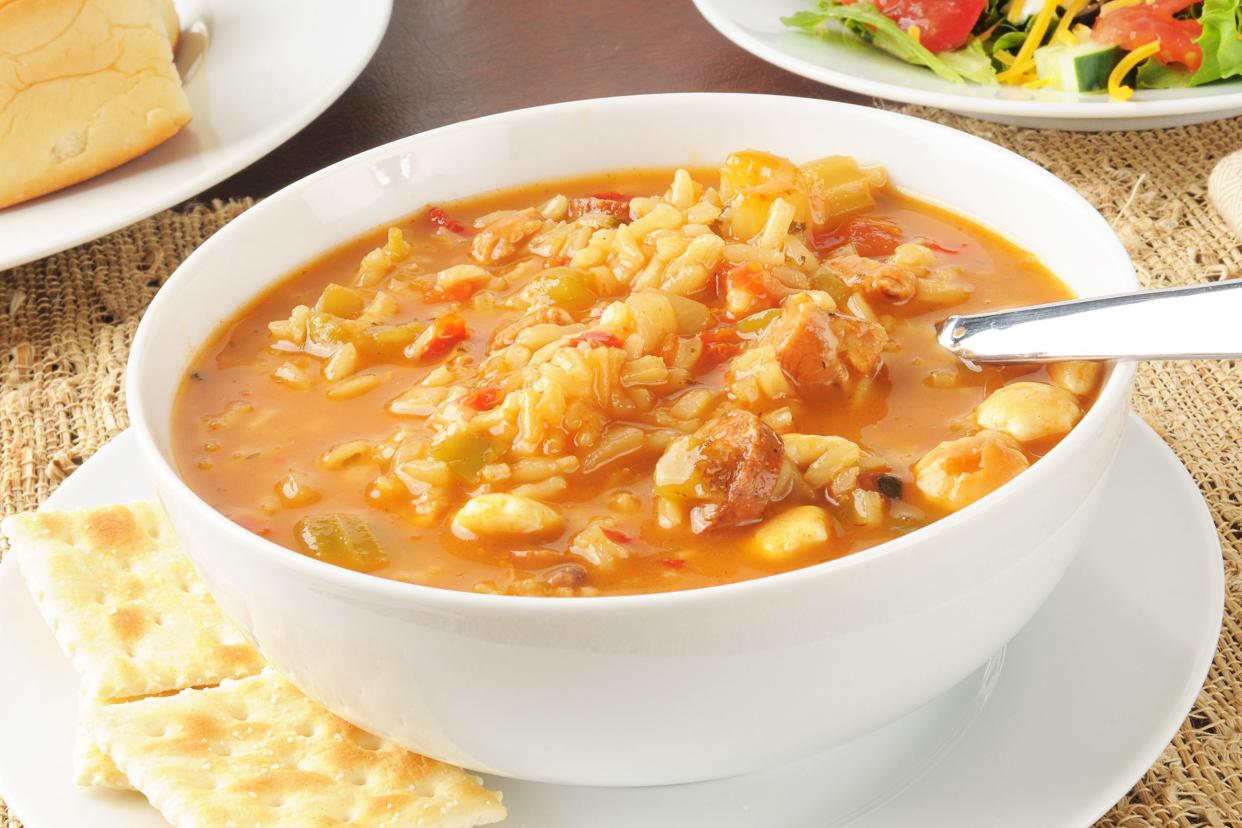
915,34
1038,83
1113,5
1033,40
1014,13
1063,33
1116,89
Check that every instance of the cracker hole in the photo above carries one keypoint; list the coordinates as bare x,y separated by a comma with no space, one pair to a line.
368,741
341,816
221,748
305,729
358,777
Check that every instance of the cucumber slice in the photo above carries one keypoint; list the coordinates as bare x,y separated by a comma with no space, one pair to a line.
1083,67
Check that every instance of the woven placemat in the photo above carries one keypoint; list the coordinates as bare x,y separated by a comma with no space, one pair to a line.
66,324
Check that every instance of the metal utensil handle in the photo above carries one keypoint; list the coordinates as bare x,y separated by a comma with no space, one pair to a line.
1170,323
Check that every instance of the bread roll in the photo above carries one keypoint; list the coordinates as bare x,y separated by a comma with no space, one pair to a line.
85,85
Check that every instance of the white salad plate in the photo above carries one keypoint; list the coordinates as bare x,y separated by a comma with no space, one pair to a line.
844,62
255,74
1052,732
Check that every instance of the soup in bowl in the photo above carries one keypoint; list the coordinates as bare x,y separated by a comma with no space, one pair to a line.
584,444
631,383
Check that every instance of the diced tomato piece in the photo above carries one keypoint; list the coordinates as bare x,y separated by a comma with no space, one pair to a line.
440,218
611,196
484,399
720,344
943,25
674,563
870,236
459,292
594,338
616,535
749,277
449,330
1133,26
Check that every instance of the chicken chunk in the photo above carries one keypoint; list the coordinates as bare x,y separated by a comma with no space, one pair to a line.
728,470
499,240
538,315
893,282
617,208
820,349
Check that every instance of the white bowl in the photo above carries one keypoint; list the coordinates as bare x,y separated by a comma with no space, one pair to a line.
844,62
646,689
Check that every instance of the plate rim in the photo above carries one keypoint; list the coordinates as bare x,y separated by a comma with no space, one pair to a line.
260,144
1126,774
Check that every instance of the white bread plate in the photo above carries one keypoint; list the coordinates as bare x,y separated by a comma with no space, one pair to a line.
254,73
644,689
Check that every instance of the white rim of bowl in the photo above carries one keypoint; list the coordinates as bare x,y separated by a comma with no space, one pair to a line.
1114,392
1108,110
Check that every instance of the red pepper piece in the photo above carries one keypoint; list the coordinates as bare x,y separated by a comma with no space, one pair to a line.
616,535
940,248
594,338
439,217
483,399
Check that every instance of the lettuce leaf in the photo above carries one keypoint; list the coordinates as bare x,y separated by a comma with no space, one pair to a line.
972,63
1220,41
1152,74
876,28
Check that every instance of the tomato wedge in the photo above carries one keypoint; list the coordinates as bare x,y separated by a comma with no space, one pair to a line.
943,25
1133,26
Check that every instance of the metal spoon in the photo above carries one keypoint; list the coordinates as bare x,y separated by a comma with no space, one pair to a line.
1169,323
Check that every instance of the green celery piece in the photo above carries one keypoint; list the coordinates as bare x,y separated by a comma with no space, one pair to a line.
882,32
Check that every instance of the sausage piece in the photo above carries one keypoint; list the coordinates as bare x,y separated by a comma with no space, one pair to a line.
618,209
735,461
819,349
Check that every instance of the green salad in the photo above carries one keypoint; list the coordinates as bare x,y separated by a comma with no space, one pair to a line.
1076,46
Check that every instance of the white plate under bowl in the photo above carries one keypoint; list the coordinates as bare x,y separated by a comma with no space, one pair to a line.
1049,735
255,74
843,62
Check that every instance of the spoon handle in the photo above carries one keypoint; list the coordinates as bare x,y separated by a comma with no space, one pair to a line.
1170,323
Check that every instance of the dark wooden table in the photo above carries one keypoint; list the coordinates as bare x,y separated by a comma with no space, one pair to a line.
448,60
